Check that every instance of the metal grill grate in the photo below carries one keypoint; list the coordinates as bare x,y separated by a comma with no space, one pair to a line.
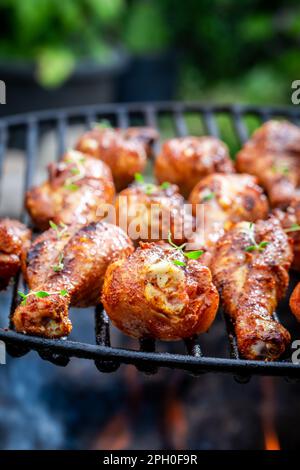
107,358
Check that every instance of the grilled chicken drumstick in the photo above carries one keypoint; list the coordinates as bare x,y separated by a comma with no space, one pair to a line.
250,269
290,221
226,199
150,294
186,160
77,187
14,243
273,155
66,266
152,210
125,151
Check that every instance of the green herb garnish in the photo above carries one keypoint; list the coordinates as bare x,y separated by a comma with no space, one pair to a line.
71,186
284,170
255,246
189,254
292,228
150,187
40,294
208,197
139,178
59,229
60,265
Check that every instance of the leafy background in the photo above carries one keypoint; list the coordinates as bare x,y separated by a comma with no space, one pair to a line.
228,50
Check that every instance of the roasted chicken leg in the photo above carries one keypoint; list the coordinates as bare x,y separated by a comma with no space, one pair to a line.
184,161
14,244
273,156
250,269
77,188
224,200
125,151
149,295
66,266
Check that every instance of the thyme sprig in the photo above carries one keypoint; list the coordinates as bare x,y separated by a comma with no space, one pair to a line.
78,172
149,188
188,254
60,265
255,246
292,228
60,229
208,196
40,294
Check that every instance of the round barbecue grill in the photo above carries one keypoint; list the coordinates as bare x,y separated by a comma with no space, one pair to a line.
106,357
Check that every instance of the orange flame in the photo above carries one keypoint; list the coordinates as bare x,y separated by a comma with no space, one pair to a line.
268,410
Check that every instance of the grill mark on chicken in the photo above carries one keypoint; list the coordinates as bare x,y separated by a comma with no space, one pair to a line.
85,252
251,284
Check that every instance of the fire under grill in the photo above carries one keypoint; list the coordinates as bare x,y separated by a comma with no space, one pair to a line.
233,123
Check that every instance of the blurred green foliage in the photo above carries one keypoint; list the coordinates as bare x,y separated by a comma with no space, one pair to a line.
228,50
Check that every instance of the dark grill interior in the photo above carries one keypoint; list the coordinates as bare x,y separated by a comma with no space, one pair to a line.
24,131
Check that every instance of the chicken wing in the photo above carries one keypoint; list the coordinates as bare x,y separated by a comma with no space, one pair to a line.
148,295
124,150
186,160
150,212
77,187
66,266
250,269
226,200
273,155
14,244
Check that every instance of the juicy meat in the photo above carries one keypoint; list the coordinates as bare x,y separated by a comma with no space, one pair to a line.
223,200
72,259
151,211
273,155
77,188
251,283
186,160
124,150
147,295
14,243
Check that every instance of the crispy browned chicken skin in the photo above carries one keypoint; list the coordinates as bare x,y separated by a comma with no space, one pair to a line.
295,301
251,283
76,189
273,155
124,150
186,160
290,221
14,244
152,211
69,259
226,200
147,295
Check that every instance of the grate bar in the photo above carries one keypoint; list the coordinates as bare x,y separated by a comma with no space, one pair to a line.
103,339
61,135
210,123
122,118
239,126
180,124
147,345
